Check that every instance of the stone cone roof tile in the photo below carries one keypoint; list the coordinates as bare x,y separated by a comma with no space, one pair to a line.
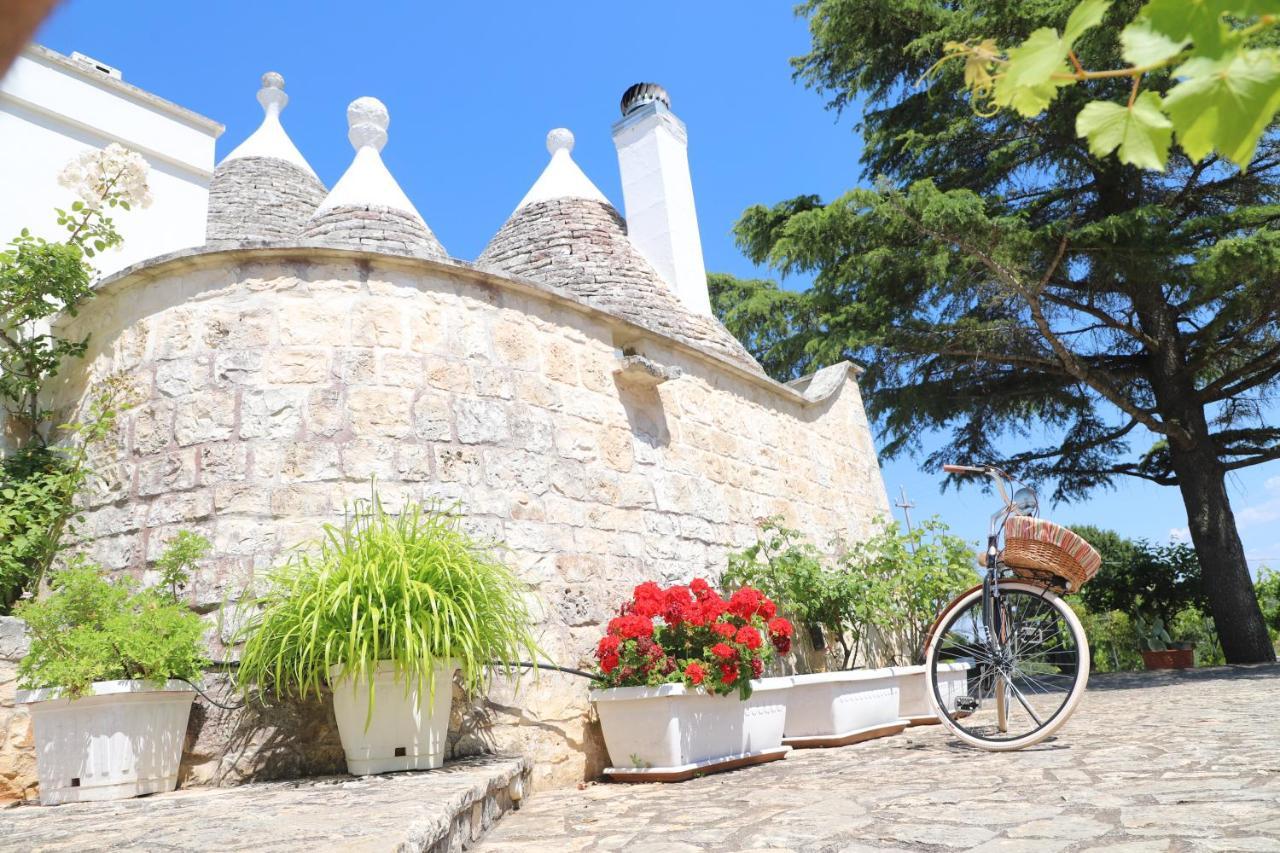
260,198
367,209
374,227
580,245
264,189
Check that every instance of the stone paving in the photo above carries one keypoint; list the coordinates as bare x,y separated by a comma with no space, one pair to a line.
437,812
1150,763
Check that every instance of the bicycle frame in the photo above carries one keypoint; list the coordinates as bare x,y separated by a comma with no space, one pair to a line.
991,612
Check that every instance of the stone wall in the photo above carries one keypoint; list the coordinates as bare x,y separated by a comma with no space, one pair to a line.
17,747
275,383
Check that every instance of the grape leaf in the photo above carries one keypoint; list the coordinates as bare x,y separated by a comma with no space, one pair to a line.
1084,17
1028,101
1197,20
1225,103
1143,45
1036,59
1141,132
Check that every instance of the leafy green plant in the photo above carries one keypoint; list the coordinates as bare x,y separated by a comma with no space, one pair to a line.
38,488
412,588
92,629
1268,589
923,569
40,278
1113,639
1155,637
1221,54
875,600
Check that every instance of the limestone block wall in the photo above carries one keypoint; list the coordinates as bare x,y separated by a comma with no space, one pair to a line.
274,384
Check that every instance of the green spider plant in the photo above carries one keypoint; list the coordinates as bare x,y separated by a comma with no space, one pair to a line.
410,588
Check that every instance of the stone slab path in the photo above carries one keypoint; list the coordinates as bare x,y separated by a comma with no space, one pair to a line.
1151,763
439,811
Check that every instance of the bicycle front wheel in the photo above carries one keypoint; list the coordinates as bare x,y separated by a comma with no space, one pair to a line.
1028,661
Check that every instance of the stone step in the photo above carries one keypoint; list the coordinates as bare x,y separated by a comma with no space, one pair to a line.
435,811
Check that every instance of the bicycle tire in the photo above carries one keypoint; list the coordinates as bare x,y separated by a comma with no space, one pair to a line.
1079,671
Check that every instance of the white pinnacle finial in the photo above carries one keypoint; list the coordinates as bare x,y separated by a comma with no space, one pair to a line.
560,139
368,119
272,92
562,178
367,181
270,140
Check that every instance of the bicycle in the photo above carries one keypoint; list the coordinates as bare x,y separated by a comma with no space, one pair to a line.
1026,650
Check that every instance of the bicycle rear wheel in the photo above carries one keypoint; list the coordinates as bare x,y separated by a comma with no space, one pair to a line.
1029,664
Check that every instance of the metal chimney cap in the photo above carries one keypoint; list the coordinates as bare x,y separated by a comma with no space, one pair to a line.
644,93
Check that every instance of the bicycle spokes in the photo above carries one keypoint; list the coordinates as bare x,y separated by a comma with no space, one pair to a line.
1024,659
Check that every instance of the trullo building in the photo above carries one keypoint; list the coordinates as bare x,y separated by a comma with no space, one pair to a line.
569,389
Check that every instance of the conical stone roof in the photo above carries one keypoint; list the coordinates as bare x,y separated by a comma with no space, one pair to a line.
264,189
567,235
367,209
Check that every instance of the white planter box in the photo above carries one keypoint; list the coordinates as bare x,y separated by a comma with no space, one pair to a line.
407,730
122,740
838,708
913,690
670,733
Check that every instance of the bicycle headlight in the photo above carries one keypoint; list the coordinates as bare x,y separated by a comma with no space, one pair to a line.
1025,502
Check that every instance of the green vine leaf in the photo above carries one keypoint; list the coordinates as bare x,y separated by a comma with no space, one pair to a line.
1142,45
1225,104
1199,21
1083,18
1142,133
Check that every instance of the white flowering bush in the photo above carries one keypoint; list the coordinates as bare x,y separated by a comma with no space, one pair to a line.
38,279
108,177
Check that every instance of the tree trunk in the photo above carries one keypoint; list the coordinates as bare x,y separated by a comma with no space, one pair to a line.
1224,570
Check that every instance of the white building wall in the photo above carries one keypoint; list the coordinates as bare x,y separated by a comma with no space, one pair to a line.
52,108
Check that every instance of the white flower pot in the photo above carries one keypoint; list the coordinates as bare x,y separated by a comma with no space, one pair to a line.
407,729
913,690
838,708
670,733
124,739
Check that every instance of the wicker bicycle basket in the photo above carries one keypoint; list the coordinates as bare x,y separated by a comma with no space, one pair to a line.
1037,549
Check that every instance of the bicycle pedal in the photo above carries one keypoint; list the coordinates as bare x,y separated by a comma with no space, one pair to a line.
966,703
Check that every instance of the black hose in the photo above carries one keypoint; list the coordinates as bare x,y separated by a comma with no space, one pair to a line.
214,702
496,664
551,667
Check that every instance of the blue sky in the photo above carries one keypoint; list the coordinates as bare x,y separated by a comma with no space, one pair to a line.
472,90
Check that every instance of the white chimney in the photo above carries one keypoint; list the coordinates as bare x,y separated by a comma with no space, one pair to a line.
653,156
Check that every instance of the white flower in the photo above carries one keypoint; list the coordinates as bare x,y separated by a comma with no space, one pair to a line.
97,176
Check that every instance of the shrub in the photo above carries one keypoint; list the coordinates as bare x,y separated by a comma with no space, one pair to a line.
1268,588
913,576
92,629
38,488
875,600
692,635
411,588
790,571
1138,576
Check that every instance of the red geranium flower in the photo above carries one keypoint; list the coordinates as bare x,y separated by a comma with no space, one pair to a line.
632,626
608,662
723,651
609,644
700,588
744,602
676,605
695,673
757,667
647,600
767,610
750,637
724,629
728,673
